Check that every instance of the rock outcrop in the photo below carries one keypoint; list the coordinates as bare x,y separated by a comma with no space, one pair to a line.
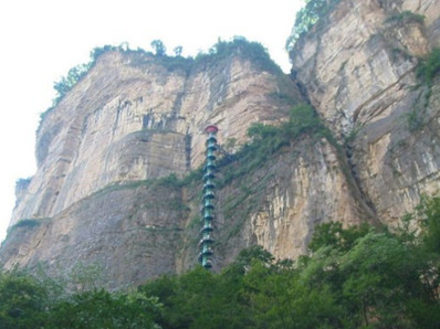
133,117
358,66
139,230
96,197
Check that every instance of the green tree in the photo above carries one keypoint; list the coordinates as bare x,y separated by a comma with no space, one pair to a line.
429,220
99,309
22,302
278,298
259,131
200,299
357,277
178,51
73,76
308,16
159,47
333,235
303,118
381,280
382,275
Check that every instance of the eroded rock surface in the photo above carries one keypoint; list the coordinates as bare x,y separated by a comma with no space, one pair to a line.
127,233
133,118
358,67
135,231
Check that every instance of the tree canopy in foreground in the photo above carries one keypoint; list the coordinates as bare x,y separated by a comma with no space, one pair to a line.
360,277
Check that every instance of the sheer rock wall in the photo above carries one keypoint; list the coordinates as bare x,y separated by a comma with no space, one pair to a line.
133,118
358,67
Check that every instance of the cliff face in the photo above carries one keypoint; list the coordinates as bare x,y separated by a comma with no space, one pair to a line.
126,233
138,230
134,118
359,69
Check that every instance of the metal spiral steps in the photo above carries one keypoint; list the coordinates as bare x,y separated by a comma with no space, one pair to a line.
207,211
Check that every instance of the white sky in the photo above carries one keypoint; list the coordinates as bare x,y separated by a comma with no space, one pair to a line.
41,40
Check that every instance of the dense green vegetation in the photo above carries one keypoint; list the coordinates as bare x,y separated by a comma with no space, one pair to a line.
429,67
360,277
266,140
406,16
26,222
159,47
427,70
308,16
254,51
23,181
26,303
67,83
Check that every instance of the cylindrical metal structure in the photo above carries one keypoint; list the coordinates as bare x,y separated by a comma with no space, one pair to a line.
206,241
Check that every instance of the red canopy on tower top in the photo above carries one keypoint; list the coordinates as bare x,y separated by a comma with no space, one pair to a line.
211,129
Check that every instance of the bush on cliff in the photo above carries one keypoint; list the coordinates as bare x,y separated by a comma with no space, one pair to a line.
308,16
429,67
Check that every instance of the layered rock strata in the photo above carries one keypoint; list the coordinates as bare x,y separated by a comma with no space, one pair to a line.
358,67
134,231
132,117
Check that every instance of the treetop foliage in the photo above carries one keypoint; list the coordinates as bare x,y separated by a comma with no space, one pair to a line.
159,47
359,277
332,234
239,45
